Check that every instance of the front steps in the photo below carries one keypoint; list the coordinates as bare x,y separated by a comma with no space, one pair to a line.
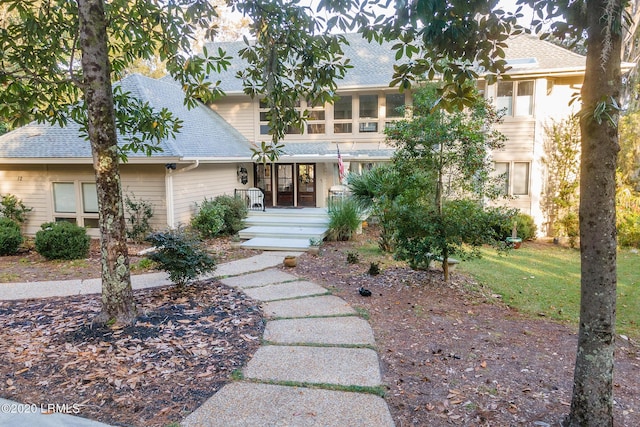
284,229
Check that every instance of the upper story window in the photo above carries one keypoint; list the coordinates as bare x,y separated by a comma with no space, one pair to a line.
515,97
316,120
368,111
343,114
264,119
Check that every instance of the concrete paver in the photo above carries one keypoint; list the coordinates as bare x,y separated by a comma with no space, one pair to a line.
319,365
325,305
285,290
331,330
242,404
252,403
260,278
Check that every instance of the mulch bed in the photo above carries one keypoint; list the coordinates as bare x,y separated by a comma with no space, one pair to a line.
455,354
184,347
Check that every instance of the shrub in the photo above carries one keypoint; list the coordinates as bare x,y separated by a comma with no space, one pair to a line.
374,269
344,220
62,240
140,212
526,228
180,254
571,227
353,257
235,212
629,230
209,221
222,215
10,236
11,207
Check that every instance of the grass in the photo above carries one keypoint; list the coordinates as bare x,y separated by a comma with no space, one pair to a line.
544,280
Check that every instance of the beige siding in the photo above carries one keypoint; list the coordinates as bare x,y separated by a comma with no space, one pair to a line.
147,183
206,181
240,113
33,184
30,184
520,133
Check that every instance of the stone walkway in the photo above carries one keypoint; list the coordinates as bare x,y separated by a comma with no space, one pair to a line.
317,366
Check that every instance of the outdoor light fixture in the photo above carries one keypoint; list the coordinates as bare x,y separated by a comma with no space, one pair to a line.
243,175
170,166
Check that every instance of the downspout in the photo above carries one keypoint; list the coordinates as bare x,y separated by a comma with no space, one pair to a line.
168,184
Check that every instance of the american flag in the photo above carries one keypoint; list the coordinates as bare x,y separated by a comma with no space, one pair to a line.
341,171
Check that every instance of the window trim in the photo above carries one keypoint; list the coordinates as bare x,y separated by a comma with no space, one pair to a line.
509,184
79,216
515,113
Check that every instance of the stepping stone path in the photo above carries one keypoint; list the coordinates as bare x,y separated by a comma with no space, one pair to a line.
314,344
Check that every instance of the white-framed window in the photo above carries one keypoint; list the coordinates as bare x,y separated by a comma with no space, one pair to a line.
343,114
368,114
316,120
516,176
76,202
515,97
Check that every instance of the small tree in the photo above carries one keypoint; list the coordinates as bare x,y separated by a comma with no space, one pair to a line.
11,207
139,213
451,149
562,145
180,253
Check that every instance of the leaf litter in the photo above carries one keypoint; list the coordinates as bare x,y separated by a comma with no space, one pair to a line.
183,348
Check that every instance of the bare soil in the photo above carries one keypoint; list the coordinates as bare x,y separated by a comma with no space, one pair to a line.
451,353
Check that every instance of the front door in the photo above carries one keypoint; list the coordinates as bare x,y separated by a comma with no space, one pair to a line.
284,178
306,185
263,181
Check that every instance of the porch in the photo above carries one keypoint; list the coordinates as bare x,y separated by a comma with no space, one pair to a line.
284,229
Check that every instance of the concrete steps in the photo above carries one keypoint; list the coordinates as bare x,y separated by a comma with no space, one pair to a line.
284,229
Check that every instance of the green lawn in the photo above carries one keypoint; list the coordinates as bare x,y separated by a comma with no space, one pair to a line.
545,279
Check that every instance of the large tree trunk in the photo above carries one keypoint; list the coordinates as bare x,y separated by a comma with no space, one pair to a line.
592,402
117,295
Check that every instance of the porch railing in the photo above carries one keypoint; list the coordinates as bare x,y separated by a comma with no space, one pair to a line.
253,197
337,195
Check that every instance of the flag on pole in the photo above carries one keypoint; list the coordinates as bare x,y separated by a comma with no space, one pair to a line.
341,171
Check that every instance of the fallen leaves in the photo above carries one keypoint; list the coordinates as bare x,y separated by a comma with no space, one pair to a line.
182,349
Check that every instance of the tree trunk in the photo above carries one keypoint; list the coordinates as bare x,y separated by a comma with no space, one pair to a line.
592,402
117,295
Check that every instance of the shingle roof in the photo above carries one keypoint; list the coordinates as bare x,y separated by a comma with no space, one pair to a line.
373,62
204,133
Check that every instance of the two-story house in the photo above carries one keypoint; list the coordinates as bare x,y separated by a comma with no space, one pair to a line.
50,168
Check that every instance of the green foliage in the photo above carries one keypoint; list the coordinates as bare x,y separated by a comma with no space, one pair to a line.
629,155
222,215
375,191
62,240
374,269
443,170
10,236
570,225
139,213
562,160
344,220
11,207
209,221
545,280
180,253
629,230
526,227
353,257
